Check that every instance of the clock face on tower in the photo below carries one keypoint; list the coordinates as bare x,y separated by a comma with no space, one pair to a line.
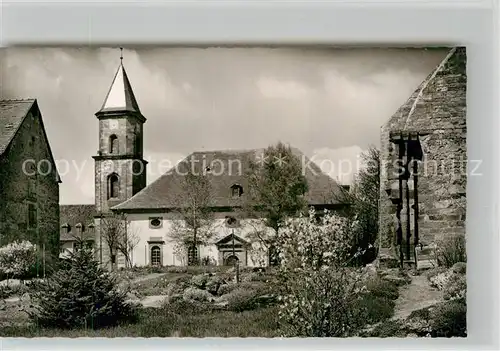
113,124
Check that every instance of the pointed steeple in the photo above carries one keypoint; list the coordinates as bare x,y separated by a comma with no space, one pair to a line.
120,96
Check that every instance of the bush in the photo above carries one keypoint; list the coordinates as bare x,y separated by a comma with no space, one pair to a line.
451,250
214,283
80,294
17,258
242,299
7,291
459,268
449,319
441,280
319,292
226,289
200,280
188,307
196,294
377,302
432,273
375,308
383,289
455,287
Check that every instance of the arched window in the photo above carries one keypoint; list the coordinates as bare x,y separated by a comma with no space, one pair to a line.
113,144
155,256
113,186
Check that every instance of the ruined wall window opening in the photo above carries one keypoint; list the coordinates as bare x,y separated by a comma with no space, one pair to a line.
137,141
113,144
155,256
113,186
32,216
236,190
31,188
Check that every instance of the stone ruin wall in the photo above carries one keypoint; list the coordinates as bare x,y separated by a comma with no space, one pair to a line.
440,112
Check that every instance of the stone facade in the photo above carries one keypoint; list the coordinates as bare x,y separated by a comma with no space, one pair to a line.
120,153
29,185
436,112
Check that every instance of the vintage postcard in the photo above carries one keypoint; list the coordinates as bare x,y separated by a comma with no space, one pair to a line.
233,192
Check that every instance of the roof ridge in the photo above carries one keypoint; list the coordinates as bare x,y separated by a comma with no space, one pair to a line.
224,151
18,100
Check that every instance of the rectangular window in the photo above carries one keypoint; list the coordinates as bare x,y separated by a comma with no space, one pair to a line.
32,216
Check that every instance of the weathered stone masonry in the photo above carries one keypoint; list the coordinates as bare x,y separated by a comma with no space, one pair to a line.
436,112
21,189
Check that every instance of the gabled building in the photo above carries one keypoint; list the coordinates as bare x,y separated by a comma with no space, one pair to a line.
120,188
152,212
76,226
29,181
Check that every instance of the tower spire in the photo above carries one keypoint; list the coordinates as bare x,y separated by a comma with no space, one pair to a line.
120,96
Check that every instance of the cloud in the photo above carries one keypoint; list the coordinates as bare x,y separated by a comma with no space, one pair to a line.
279,89
341,164
215,98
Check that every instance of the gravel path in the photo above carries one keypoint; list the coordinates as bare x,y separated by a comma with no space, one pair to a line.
417,295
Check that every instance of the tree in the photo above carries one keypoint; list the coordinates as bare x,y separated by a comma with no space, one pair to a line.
80,295
276,189
194,218
363,197
319,292
119,237
17,258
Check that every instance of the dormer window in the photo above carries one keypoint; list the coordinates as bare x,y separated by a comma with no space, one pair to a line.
236,190
113,144
79,227
66,227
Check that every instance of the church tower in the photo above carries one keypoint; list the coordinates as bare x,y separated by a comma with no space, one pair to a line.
120,170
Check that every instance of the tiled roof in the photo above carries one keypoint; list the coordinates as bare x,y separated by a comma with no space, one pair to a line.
120,96
72,215
12,114
165,192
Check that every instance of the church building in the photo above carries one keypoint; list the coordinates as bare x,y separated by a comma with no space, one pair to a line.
149,211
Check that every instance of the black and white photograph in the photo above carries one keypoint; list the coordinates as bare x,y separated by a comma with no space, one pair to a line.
246,191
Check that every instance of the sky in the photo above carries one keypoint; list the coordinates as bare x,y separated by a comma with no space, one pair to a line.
328,102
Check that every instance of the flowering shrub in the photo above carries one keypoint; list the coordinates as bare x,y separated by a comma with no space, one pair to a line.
440,280
456,287
17,258
319,292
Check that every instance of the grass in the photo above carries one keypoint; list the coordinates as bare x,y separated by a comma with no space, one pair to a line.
243,317
165,323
